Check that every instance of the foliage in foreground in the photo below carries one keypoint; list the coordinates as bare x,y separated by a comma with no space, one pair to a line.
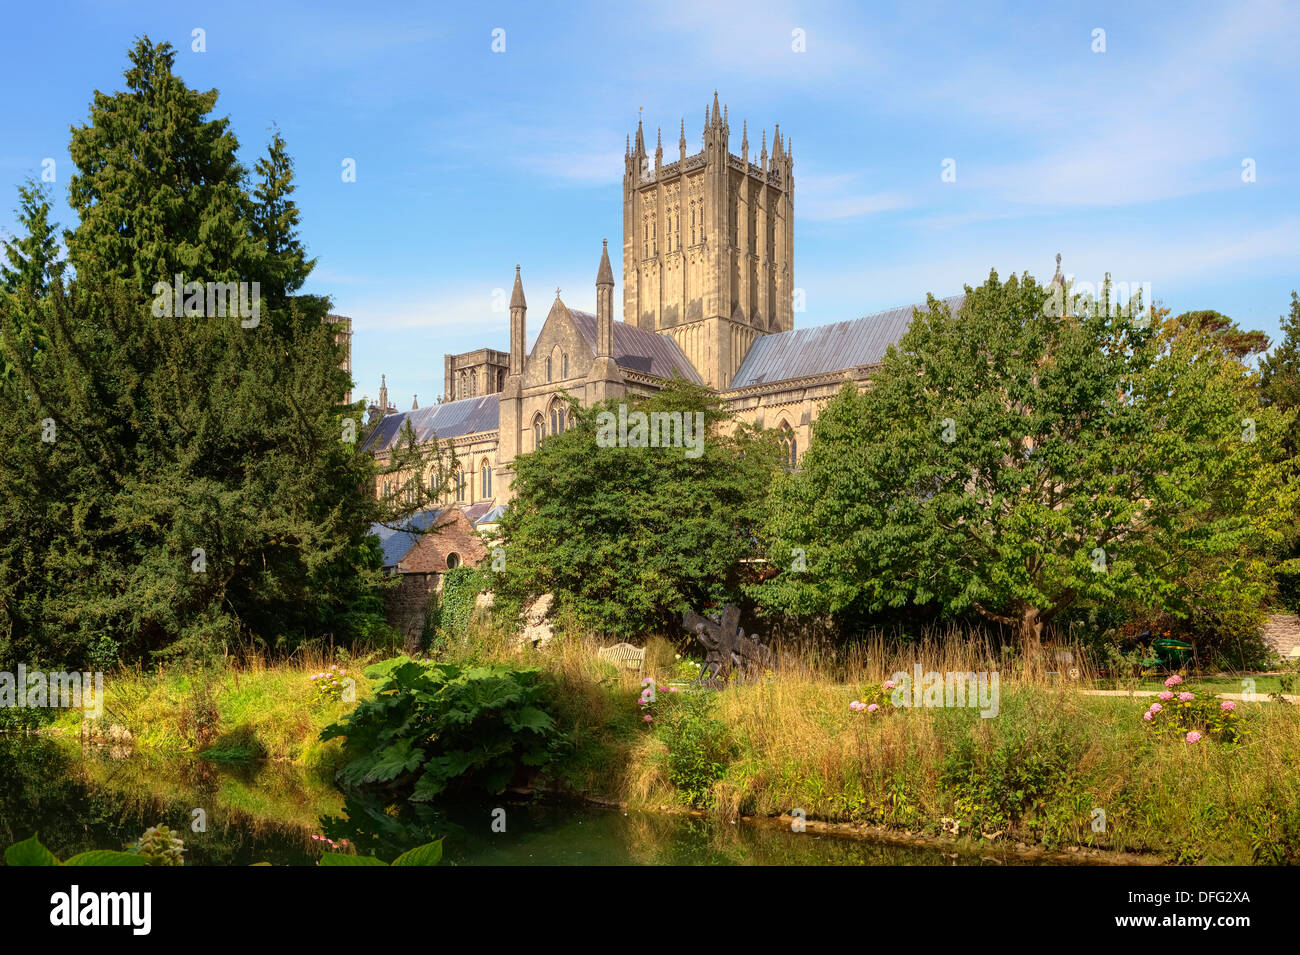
430,727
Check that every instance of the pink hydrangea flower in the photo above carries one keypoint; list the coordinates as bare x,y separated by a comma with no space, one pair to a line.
1186,697
1227,705
1193,737
647,717
1148,715
872,708
647,681
857,705
1156,707
673,689
1174,680
889,684
1166,695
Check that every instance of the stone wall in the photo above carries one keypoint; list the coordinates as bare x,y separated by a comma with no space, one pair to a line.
406,604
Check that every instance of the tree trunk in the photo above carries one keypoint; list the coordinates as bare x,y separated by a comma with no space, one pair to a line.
1031,632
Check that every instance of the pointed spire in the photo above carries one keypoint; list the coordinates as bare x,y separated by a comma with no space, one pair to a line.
604,275
715,107
724,116
383,395
1058,278
744,140
640,140
517,296
627,149
415,402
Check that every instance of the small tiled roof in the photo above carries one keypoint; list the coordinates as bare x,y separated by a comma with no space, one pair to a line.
822,349
493,516
396,543
473,512
637,349
451,419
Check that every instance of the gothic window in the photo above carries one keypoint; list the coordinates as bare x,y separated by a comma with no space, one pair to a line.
485,480
548,369
564,366
692,222
501,379
462,482
790,445
434,485
539,431
645,238
557,417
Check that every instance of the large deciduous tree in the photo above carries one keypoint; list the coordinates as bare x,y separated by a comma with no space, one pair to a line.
629,537
1014,459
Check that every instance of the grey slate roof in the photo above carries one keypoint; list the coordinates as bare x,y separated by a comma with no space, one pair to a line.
448,420
640,350
396,544
806,352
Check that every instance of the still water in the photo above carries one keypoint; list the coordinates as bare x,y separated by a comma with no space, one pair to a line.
103,798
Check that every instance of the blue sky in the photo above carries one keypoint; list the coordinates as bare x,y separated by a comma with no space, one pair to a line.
470,161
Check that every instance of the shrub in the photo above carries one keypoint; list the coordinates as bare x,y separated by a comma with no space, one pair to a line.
700,746
1181,713
431,726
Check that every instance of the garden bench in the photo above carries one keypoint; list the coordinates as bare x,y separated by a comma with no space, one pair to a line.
625,655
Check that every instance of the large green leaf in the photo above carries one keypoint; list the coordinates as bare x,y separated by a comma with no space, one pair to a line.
98,857
337,858
427,854
30,852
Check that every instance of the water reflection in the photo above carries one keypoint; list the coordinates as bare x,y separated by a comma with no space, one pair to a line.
89,798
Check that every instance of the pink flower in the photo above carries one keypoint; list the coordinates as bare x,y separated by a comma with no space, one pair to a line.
1227,705
1174,680
647,717
873,707
1156,707
1193,737
673,689
889,684
663,689
314,836
857,705
1166,695
1148,715
316,676
1186,697
647,681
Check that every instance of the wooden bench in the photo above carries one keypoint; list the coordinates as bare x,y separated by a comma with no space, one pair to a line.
625,655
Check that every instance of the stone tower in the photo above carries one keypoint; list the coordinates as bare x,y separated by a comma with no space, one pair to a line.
708,244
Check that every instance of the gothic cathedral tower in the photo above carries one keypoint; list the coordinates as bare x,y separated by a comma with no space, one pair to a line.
708,245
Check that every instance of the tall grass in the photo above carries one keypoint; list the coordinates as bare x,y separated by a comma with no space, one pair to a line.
1056,767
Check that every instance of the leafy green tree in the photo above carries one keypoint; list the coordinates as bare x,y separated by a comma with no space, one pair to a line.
31,263
176,484
1280,389
159,190
627,538
32,259
1224,332
1011,461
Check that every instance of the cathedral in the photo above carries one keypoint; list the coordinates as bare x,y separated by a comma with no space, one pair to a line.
708,295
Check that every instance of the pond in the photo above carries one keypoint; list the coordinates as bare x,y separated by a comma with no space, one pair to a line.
98,797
